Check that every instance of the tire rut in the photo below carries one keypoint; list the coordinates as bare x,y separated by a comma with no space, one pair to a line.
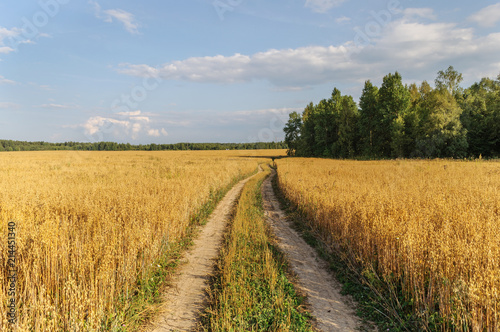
185,300
333,311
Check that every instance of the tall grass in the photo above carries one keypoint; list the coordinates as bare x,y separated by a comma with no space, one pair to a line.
90,225
429,230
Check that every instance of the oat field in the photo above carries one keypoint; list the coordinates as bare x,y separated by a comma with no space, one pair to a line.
430,229
89,224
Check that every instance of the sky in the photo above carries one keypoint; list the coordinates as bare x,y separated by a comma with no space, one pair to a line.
168,71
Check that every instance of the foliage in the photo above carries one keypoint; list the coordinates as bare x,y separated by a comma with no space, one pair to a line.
402,121
9,145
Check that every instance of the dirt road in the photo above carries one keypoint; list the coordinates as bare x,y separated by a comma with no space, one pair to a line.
185,299
332,310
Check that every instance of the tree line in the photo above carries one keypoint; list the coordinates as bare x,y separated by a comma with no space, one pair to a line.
401,121
10,145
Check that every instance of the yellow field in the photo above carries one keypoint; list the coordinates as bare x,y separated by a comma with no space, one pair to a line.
89,223
431,227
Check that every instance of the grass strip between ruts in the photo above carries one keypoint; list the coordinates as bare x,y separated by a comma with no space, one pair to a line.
250,289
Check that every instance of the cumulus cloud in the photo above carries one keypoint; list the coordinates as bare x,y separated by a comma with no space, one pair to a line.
98,123
154,132
289,67
322,6
487,17
124,125
404,44
127,19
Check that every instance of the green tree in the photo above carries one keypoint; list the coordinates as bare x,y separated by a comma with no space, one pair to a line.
307,140
292,132
347,120
369,121
393,103
481,117
450,80
441,132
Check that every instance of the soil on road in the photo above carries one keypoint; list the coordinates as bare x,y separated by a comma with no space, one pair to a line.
333,311
186,298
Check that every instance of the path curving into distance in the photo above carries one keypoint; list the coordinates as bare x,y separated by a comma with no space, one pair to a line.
328,306
185,299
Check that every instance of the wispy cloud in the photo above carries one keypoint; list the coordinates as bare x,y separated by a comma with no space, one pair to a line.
267,111
127,19
7,33
43,87
420,12
342,19
322,6
3,80
54,106
487,17
9,105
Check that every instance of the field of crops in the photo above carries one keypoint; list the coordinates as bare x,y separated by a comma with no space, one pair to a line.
89,224
431,229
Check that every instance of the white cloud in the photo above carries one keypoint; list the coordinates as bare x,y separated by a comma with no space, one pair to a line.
487,17
98,123
134,113
154,132
15,37
289,67
54,106
322,6
342,19
3,80
127,19
140,118
123,125
405,44
6,50
419,12
4,34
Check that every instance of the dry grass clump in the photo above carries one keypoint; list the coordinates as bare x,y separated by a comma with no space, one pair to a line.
431,229
89,224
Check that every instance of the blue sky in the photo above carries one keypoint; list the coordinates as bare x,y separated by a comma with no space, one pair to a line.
168,71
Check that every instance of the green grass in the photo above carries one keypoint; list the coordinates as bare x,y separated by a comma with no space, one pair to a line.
136,309
250,290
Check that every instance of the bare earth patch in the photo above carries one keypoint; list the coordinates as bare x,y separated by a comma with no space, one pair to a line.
332,310
186,298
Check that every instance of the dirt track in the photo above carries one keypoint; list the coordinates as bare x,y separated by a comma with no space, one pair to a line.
332,310
185,299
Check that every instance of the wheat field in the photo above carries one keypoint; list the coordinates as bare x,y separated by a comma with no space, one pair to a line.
88,224
428,228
